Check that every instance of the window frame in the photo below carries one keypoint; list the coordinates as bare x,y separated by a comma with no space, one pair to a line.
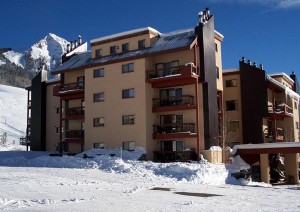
113,49
100,70
124,92
125,47
100,99
230,103
100,145
98,53
98,122
233,126
128,120
231,83
218,72
127,68
128,145
142,44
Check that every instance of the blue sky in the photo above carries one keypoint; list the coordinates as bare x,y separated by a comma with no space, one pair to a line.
266,31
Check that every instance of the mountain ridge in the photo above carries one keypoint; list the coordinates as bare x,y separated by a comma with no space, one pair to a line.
17,68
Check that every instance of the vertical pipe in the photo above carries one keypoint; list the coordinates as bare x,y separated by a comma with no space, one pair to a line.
197,119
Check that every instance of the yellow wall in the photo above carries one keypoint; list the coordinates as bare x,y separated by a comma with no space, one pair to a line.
233,93
114,107
133,44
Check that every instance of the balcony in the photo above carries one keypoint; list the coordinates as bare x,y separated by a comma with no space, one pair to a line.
184,102
280,111
269,134
75,113
173,76
173,131
74,136
69,91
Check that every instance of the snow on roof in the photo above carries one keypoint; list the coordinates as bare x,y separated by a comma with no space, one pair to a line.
124,33
168,41
230,70
265,146
284,75
79,59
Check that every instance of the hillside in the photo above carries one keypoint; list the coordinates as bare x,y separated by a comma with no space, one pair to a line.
17,68
13,110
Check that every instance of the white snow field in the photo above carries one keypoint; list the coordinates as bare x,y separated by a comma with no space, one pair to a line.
34,181
13,111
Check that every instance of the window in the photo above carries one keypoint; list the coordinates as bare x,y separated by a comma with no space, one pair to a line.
99,145
141,44
99,72
57,130
218,72
233,126
80,82
98,53
129,145
126,68
231,105
166,69
216,47
125,47
113,49
57,110
172,146
128,93
128,119
297,125
231,83
295,105
99,97
171,119
98,122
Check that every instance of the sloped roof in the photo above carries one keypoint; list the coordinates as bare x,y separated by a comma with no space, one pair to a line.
166,42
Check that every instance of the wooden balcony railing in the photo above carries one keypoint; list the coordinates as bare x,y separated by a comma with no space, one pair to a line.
67,89
174,128
280,111
74,134
75,111
172,71
173,100
270,134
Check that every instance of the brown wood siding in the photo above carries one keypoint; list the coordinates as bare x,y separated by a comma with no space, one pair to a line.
206,39
253,102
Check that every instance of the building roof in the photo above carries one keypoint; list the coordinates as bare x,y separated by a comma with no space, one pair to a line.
284,75
125,33
165,42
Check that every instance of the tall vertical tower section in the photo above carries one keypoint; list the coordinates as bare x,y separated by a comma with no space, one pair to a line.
205,31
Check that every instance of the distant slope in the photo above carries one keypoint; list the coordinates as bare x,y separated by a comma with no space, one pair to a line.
13,111
18,67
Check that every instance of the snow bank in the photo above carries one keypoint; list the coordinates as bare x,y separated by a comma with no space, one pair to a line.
110,161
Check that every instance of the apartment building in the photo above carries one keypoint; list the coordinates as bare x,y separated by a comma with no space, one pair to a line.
139,88
259,107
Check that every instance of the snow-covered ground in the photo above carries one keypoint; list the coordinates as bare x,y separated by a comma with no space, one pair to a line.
34,181
13,111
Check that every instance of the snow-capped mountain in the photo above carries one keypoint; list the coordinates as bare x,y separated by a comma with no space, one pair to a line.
49,50
18,67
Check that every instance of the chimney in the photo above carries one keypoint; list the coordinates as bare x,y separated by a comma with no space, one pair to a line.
68,48
254,64
261,66
72,45
79,40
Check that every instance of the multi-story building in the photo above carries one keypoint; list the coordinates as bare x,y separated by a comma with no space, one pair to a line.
259,107
139,88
